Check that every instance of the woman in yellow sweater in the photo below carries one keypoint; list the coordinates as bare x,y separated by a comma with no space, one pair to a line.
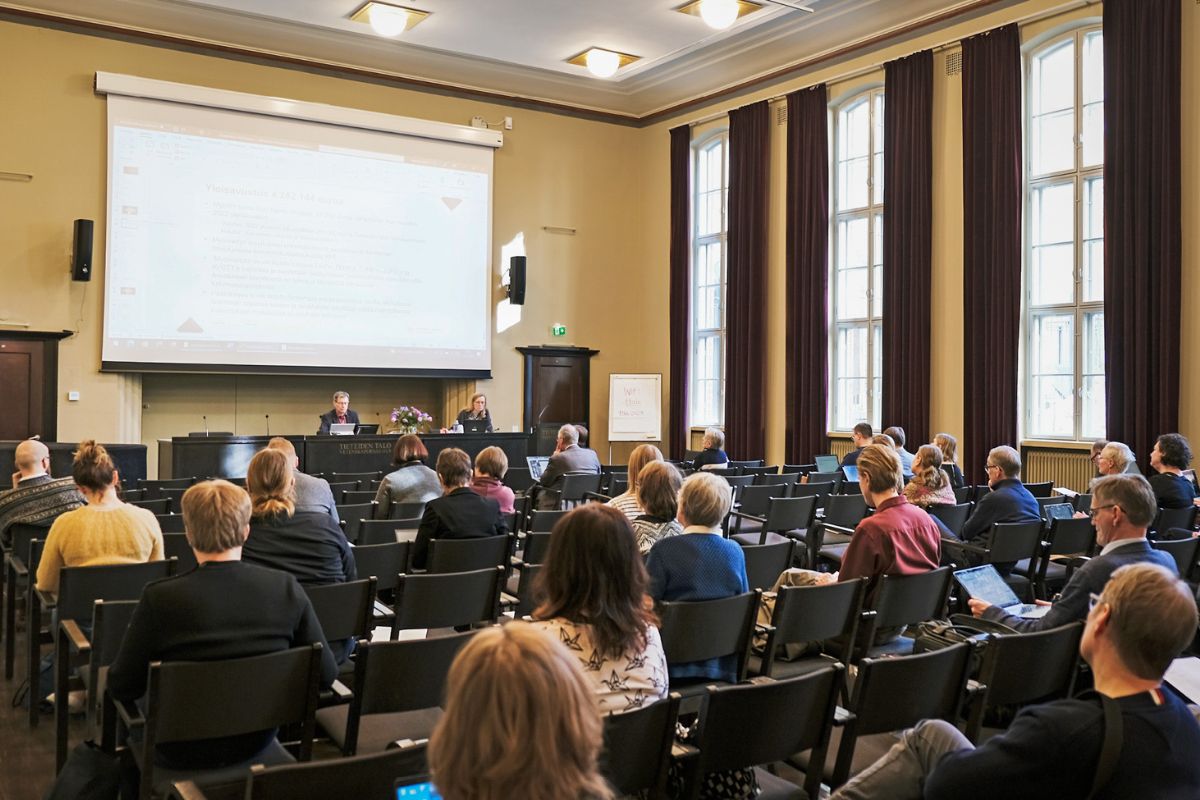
105,531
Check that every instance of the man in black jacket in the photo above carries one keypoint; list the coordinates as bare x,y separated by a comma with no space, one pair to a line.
340,414
1142,621
568,457
459,513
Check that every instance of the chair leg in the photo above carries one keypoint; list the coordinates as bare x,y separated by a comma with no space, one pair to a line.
33,629
62,711
10,625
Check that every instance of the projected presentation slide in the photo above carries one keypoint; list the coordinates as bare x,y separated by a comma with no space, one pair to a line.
239,239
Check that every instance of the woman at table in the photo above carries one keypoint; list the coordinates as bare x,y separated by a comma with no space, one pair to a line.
478,412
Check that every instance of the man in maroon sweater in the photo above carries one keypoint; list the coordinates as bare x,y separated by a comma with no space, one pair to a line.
898,539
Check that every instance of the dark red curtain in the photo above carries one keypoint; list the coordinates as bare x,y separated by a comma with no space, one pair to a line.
1142,258
807,273
992,186
680,334
746,282
907,243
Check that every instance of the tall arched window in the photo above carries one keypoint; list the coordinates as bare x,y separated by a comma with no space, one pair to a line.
857,282
1064,234
710,185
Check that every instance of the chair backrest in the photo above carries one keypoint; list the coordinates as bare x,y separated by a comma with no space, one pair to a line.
1169,518
637,747
816,613
784,479
170,523
736,482
1013,541
153,486
406,510
343,477
757,471
1182,550
980,491
344,609
765,562
383,531
1042,489
21,534
464,555
845,510
962,494
337,487
754,462
175,545
536,545
110,618
818,489
884,697
390,677
835,478
384,562
790,513
80,587
706,629
526,601
352,497
953,517
161,505
448,599
366,776
905,599
617,485
1024,667
761,723
128,495
576,484
352,516
518,479
543,521
1083,502
189,700
754,499
1069,536
174,495
799,469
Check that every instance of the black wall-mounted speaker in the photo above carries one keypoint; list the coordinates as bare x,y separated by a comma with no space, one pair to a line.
81,253
516,280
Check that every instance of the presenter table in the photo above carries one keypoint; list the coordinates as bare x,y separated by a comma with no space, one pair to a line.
228,456
129,458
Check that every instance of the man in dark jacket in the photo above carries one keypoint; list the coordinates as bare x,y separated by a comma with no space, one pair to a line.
340,414
568,457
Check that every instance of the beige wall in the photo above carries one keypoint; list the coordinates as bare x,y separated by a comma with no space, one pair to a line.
552,171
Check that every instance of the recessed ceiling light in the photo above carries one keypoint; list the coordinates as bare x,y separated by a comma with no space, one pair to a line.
719,14
601,62
387,19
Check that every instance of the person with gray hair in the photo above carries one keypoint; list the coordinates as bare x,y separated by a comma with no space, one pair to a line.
713,455
1114,458
340,414
36,498
1009,501
568,457
1122,508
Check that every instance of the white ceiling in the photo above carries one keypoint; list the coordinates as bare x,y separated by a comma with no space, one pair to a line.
519,47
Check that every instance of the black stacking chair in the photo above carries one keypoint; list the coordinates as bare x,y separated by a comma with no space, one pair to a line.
766,562
447,600
637,748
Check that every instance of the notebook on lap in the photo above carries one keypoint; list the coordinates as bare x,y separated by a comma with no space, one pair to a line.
984,583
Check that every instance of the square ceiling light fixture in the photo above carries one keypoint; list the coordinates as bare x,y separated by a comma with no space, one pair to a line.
719,14
601,62
388,19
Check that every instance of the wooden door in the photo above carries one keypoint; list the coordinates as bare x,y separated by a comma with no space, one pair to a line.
29,385
557,391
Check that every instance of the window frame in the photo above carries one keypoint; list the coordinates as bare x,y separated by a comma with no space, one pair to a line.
873,214
701,147
1079,309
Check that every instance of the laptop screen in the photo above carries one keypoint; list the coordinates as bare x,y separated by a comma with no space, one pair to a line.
342,428
827,463
985,583
851,473
418,788
537,465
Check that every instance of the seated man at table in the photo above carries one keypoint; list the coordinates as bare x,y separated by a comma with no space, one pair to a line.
568,457
1136,627
35,498
340,414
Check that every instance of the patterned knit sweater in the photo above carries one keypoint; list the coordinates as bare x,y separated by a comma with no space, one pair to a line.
35,501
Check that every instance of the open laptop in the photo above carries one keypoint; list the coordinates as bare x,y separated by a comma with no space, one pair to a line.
367,429
416,788
537,465
985,583
475,426
342,429
851,473
827,463
1059,510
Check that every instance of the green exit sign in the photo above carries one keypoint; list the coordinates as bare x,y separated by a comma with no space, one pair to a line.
558,330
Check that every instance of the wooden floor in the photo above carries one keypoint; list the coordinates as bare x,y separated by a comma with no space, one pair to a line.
27,755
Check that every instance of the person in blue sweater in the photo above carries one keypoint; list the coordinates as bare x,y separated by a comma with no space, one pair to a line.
699,564
713,455
1144,618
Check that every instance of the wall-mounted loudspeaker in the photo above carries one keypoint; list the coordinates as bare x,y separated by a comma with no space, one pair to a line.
81,254
516,280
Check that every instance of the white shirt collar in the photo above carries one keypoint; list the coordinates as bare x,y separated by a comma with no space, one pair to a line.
1108,548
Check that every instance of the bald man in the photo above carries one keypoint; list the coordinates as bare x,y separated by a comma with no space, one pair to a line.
36,498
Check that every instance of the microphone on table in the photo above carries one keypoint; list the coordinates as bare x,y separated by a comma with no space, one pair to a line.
268,416
205,418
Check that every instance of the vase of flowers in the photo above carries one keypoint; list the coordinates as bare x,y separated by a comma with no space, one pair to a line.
408,419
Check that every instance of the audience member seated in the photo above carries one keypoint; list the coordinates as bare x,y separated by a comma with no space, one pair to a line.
340,414
861,437
478,412
592,591
1115,459
312,494
658,495
1144,618
886,441
411,481
222,609
898,539
490,466
949,447
521,722
305,544
627,501
712,453
568,457
1094,457
930,485
899,439
700,564
459,513
1008,501
36,498
1170,457
105,531
1122,508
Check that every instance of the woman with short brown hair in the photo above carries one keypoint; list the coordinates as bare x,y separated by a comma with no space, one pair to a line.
411,481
